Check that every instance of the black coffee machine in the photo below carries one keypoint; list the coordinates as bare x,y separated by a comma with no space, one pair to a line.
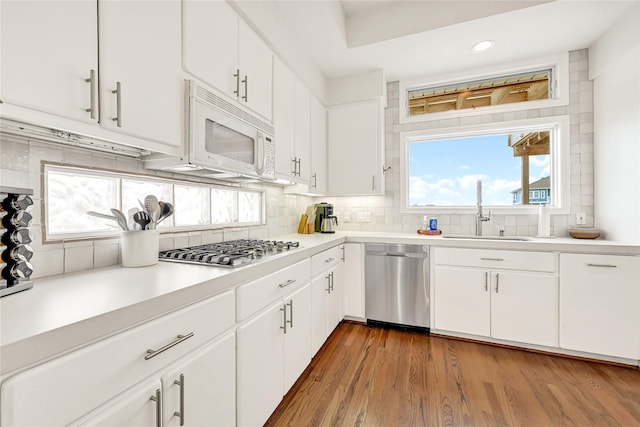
323,210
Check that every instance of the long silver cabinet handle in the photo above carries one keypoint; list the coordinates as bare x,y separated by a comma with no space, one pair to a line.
92,87
602,265
284,313
497,282
315,181
158,399
373,183
290,321
331,285
328,277
246,88
295,166
237,76
118,92
287,283
153,353
486,280
180,414
492,259
342,248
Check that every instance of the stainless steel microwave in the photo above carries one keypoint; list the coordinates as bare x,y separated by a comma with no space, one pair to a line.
223,140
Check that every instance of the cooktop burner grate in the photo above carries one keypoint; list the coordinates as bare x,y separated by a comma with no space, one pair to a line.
228,254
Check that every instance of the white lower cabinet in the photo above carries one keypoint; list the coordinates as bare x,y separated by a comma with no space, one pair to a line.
273,343
326,291
518,306
599,304
352,272
112,381
273,349
197,391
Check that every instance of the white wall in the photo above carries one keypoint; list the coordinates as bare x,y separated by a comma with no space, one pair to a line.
614,64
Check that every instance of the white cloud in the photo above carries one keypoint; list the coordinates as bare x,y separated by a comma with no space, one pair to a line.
540,161
464,167
469,181
423,192
497,186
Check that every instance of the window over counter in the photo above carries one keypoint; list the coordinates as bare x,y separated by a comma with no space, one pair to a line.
522,87
70,192
520,164
533,83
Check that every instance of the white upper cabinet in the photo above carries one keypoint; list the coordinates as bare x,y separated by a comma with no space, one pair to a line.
220,49
356,148
141,80
49,50
292,122
318,173
50,75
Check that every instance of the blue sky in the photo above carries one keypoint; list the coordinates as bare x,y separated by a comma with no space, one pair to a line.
445,172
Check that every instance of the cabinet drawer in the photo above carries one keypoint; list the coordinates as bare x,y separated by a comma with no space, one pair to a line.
324,261
260,293
499,259
61,390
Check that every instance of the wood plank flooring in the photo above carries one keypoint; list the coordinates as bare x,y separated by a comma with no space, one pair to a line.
366,376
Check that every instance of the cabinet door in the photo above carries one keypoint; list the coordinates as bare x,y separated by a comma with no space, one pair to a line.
356,149
462,300
524,307
297,339
135,407
210,43
255,62
333,301
318,173
48,50
320,293
208,382
599,297
353,279
144,56
260,366
302,130
283,118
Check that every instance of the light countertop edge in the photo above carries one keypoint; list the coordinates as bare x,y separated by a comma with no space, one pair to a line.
69,311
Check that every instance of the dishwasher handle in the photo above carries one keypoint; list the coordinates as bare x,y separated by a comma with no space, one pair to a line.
398,254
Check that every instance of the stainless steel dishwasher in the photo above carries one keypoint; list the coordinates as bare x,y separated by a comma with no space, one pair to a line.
397,286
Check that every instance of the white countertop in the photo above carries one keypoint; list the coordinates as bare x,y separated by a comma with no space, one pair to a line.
64,312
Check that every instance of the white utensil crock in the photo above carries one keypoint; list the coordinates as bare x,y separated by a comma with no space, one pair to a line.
139,248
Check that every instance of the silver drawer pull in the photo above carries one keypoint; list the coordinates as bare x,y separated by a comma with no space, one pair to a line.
328,260
92,87
118,93
602,265
153,353
287,283
492,259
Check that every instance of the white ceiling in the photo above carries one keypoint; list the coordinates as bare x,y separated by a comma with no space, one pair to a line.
409,39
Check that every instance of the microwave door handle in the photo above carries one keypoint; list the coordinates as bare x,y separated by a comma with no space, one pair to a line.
261,158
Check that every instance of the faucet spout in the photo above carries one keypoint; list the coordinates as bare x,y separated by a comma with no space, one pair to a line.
479,217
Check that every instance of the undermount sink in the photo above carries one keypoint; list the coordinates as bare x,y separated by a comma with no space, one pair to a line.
471,236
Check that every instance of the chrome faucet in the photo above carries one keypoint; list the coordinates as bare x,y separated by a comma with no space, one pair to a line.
479,217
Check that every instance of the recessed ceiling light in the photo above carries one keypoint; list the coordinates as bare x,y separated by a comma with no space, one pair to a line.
482,46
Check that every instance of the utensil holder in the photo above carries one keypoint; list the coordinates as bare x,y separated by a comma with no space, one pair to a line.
139,248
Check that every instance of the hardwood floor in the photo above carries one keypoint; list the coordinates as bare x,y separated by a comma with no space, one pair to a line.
365,376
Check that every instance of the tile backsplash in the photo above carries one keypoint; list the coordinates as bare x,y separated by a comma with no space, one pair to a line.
21,166
384,211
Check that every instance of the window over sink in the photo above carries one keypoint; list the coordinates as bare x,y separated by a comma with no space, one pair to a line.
521,164
70,192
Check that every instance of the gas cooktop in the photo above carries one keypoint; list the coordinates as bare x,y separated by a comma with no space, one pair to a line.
233,253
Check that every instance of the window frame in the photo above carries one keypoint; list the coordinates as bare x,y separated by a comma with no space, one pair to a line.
560,163
120,176
560,84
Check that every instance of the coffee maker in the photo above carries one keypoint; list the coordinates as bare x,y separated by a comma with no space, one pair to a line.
323,210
